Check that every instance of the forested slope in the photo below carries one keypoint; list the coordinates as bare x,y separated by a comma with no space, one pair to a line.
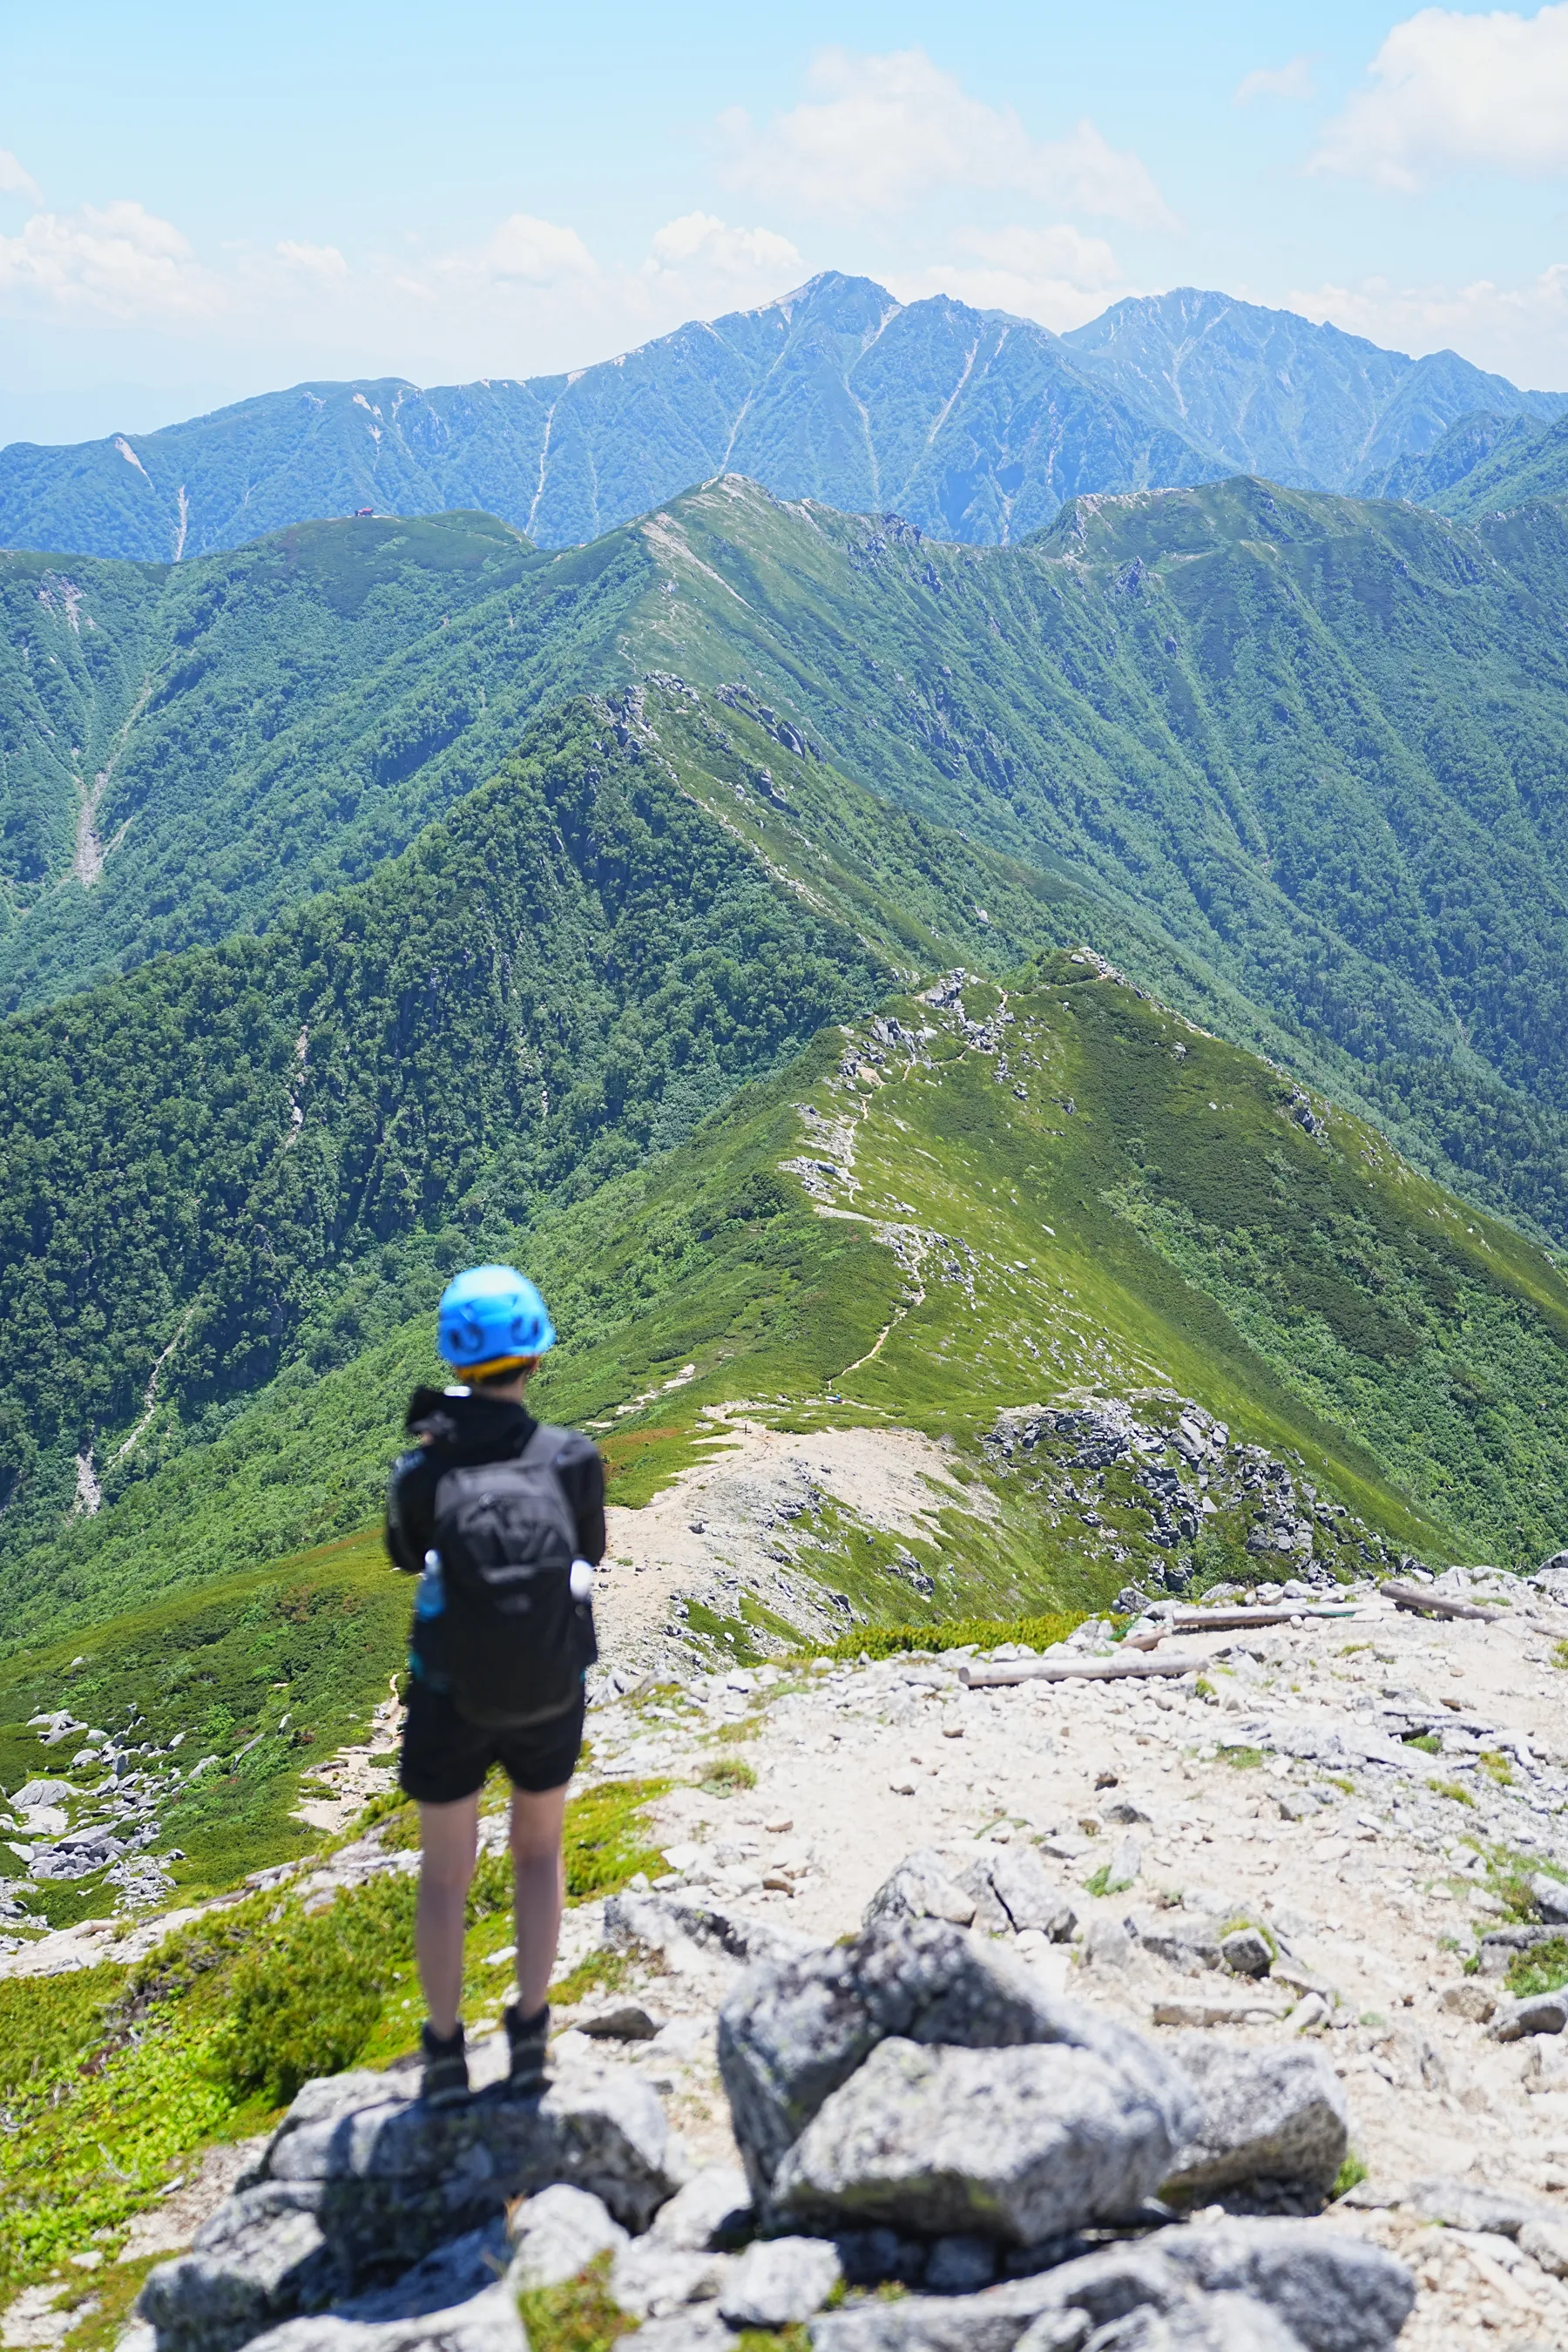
1312,744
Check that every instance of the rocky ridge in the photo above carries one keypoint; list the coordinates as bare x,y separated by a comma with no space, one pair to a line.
1262,1895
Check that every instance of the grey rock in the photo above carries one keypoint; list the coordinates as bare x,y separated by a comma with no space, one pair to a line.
1338,2292
660,1920
960,2265
1334,2292
487,2322
1022,1886
1534,2012
462,2268
626,2020
923,1887
261,2257
791,2032
648,2280
1546,2242
558,2232
1551,1896
779,2281
714,2205
1246,1951
952,2141
1275,2114
688,2330
1107,1943
1468,2205
401,2174
1203,2323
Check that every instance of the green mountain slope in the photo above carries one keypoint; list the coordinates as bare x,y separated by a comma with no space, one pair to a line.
1486,464
590,954
232,1179
1304,747
1292,398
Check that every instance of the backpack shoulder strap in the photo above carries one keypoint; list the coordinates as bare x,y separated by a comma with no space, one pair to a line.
544,1445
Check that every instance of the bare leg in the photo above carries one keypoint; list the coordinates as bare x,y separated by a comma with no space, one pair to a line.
539,1877
448,1839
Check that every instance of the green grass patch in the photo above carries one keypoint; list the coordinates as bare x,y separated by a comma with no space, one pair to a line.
1560,1655
1542,1969
284,1664
726,1775
598,1971
1456,1792
876,1642
1428,1742
114,2080
1351,2174
1245,1760
1497,1767
578,2315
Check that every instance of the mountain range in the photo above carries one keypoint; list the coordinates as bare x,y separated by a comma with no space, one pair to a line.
975,425
1305,747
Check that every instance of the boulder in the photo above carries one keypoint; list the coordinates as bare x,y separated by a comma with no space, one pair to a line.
1246,1951
402,2175
1465,2204
779,2281
1020,1887
1199,2323
690,1918
1274,2115
648,2280
462,2268
1551,1899
923,1887
1016,2148
714,2206
487,2322
791,2032
559,2233
1534,2012
262,2256
1334,2292
1546,2242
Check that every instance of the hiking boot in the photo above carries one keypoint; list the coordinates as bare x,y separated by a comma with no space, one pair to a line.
527,2038
445,2078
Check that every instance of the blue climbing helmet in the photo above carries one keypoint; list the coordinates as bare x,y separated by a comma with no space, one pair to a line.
491,1319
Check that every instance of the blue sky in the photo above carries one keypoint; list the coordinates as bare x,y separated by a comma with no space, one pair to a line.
199,204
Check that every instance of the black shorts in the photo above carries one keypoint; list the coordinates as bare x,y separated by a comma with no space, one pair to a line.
446,1757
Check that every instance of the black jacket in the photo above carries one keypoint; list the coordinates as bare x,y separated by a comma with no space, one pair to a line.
457,1431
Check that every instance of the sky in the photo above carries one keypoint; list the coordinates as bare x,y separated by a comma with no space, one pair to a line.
196,204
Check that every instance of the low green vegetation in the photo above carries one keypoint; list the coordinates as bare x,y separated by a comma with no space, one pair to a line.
578,2315
954,1633
1542,1969
1455,1790
112,2080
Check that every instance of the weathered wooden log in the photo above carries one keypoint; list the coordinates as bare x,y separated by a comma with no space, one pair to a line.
1236,1621
981,1676
1436,1604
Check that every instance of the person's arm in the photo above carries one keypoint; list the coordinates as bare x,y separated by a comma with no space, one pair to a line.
410,1522
581,1470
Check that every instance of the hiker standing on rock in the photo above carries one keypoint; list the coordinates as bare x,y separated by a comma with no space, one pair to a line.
502,1519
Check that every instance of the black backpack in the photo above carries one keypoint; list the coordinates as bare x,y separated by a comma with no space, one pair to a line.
514,1644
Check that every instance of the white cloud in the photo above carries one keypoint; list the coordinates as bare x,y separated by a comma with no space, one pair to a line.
882,131
1056,275
1521,331
536,252
118,259
1292,81
322,261
16,182
706,243
1453,89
